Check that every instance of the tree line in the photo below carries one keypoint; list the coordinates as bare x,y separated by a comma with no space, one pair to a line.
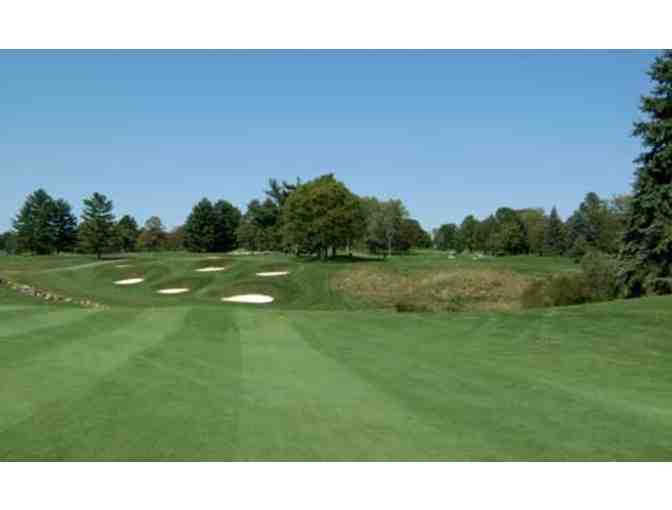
597,224
318,217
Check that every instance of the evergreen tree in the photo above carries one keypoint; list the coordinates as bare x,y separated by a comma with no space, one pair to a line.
35,224
127,233
199,229
645,260
227,219
259,227
97,230
554,235
65,225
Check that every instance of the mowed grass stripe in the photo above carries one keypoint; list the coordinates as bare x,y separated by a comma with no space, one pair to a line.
501,395
299,404
33,318
69,325
176,400
67,369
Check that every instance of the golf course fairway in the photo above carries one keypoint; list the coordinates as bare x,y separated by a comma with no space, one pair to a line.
319,374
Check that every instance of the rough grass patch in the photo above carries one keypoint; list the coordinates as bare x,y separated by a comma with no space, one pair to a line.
452,290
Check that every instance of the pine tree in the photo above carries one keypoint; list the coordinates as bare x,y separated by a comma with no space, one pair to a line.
35,226
645,260
199,229
554,234
97,231
65,224
227,220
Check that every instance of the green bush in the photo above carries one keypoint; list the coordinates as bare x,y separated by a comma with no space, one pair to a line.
600,272
568,290
659,286
596,282
455,303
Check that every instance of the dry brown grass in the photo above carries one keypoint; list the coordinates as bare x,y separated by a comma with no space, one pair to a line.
453,290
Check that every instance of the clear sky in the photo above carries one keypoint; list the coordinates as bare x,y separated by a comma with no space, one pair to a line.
450,133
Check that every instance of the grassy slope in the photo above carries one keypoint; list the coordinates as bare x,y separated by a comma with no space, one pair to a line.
168,378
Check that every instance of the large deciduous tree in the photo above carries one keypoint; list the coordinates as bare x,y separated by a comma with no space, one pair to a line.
412,235
510,233
535,221
153,235
447,237
97,230
322,214
645,260
469,233
384,222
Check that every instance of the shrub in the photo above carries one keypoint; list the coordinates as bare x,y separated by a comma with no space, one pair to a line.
406,306
600,272
568,290
597,281
659,286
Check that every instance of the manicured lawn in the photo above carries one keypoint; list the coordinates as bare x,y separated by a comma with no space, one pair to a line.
319,375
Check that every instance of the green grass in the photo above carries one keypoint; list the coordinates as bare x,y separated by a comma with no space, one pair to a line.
319,375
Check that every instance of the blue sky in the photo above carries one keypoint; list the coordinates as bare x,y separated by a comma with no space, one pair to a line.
450,133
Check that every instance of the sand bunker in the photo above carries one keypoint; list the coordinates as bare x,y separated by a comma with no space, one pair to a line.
123,265
273,273
172,291
130,281
249,298
210,269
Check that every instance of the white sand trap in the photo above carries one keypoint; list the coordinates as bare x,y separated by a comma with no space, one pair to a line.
123,265
130,281
273,273
212,258
172,291
210,269
249,298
